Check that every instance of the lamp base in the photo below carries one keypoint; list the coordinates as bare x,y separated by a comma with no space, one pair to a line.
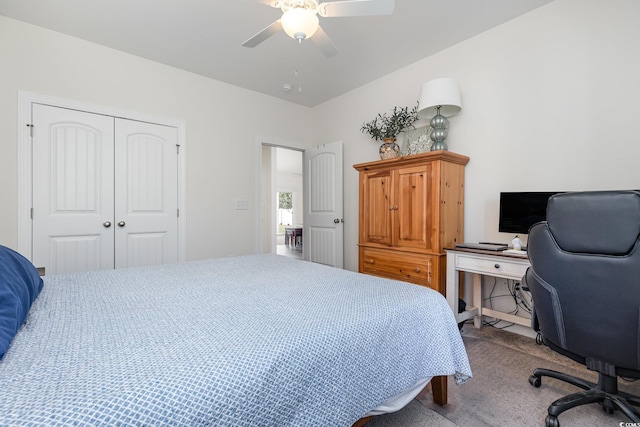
439,124
439,145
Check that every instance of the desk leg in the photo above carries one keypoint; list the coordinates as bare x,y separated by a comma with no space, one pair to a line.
452,281
477,299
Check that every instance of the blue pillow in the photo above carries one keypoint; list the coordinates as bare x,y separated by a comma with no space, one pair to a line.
20,284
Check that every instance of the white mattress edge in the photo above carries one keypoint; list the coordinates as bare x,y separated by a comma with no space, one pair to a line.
400,400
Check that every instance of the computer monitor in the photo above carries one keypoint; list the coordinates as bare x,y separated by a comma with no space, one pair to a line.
520,210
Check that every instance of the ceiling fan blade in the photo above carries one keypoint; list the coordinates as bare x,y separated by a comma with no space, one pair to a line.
322,40
356,8
263,35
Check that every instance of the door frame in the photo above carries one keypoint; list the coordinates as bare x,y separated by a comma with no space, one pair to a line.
25,173
260,218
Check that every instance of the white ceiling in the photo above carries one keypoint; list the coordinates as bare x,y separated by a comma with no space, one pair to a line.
206,36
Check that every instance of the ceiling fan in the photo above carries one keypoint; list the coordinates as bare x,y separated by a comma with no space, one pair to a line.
300,19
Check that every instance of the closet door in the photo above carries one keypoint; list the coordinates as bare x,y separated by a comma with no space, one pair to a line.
104,191
73,190
146,188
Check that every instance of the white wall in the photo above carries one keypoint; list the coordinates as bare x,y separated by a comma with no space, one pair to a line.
550,102
223,123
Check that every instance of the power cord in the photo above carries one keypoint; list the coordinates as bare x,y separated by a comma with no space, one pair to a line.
516,292
521,300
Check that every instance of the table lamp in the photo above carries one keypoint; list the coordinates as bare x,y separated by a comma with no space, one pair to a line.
439,99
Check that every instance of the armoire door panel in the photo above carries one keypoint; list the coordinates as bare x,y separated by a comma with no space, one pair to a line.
414,198
376,200
72,190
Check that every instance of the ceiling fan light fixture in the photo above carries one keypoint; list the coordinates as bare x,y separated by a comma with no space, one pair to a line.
300,23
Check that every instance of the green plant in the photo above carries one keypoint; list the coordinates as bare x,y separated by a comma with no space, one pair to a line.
390,125
285,201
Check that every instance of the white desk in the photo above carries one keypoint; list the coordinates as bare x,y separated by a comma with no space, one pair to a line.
481,263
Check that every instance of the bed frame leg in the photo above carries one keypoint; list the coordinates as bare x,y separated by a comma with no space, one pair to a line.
362,421
439,389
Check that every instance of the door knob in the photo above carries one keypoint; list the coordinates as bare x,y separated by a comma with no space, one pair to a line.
336,221
121,224
107,224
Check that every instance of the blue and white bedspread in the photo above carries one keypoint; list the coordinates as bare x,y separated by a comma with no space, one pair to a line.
257,340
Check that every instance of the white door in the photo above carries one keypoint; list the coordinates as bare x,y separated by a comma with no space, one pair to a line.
104,191
146,188
323,217
72,190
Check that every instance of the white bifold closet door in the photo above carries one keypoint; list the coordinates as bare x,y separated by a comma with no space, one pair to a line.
105,191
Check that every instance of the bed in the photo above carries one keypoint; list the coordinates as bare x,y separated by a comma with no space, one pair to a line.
257,340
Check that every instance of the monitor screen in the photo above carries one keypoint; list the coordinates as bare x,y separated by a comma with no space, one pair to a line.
520,210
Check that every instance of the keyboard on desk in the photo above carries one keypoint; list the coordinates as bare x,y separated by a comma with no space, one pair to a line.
483,246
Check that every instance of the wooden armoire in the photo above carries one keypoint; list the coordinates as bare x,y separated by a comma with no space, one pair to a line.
411,208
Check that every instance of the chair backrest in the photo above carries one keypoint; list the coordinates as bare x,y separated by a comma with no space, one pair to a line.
585,275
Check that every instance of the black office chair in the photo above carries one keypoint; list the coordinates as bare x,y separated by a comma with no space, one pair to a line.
585,285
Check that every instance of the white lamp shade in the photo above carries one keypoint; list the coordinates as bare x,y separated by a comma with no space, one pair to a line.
299,23
443,92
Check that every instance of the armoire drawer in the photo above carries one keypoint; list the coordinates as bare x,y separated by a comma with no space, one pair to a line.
408,267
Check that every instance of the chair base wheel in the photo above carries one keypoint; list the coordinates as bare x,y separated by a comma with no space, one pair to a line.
608,410
535,381
551,421
605,392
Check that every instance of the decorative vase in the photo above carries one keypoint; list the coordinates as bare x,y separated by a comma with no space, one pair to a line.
389,149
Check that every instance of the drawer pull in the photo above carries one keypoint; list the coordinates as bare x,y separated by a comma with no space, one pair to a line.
496,265
370,261
417,269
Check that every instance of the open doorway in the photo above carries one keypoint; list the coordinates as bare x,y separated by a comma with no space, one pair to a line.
288,227
320,175
282,192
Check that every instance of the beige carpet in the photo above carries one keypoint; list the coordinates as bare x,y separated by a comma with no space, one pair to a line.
415,414
499,393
